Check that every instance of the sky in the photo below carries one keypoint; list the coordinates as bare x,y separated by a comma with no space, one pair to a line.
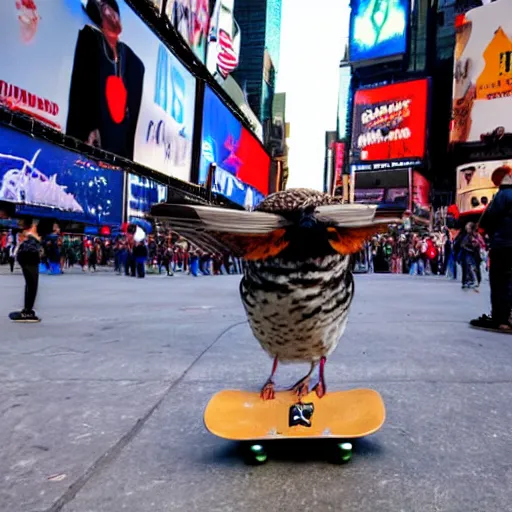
312,42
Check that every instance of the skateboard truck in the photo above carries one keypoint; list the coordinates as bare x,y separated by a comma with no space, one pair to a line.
300,414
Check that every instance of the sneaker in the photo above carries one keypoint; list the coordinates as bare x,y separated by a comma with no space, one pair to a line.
24,317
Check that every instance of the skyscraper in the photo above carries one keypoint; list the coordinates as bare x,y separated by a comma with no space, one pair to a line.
260,26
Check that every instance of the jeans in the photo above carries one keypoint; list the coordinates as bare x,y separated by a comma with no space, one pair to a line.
31,275
130,266
451,267
194,266
417,268
500,278
140,264
469,275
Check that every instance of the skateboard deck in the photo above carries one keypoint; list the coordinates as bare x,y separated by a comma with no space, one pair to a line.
340,415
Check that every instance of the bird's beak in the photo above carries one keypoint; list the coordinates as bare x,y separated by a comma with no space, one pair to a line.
308,221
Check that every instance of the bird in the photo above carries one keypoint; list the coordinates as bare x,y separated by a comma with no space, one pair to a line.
297,286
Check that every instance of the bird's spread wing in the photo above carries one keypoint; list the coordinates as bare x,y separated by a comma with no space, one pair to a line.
349,225
251,235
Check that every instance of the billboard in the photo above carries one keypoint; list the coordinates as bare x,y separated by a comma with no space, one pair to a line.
243,166
141,194
482,85
339,162
45,179
223,51
110,82
378,30
475,188
191,18
420,196
390,125
344,97
397,197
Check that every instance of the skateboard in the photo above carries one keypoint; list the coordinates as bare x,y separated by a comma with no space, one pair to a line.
339,416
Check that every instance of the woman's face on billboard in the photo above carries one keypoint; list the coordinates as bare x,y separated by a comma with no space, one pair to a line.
111,20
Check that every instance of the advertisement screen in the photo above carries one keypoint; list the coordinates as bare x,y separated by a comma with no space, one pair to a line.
389,125
475,188
223,51
397,197
110,82
191,18
243,166
482,86
142,193
378,29
45,179
420,195
339,161
344,97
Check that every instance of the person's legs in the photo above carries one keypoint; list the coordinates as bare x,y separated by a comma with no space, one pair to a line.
31,274
421,266
478,271
141,268
126,263
471,271
464,265
500,278
11,264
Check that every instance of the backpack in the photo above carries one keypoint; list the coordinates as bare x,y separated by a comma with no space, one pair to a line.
29,252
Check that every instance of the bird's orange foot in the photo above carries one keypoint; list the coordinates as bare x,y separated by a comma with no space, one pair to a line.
268,391
320,390
301,388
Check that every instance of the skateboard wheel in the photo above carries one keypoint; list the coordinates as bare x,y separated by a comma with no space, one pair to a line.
257,454
344,452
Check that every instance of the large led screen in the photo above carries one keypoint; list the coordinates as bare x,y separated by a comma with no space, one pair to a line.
191,18
243,166
44,179
93,70
420,196
482,86
224,40
378,29
475,188
389,125
142,193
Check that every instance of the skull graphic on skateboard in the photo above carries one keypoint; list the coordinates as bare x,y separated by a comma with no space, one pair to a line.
338,416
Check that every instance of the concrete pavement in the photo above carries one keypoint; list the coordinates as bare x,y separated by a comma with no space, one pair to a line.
101,404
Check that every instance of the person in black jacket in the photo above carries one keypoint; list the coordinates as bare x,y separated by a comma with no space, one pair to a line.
496,221
28,256
106,83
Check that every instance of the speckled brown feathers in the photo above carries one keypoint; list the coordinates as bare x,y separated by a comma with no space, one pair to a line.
297,286
295,199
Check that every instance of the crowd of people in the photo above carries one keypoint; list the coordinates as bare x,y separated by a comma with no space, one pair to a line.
155,254
472,247
445,251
